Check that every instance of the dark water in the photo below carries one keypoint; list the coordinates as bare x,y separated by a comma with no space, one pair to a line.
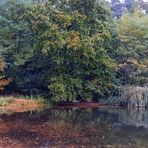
75,128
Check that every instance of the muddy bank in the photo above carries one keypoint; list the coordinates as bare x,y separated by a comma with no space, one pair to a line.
85,105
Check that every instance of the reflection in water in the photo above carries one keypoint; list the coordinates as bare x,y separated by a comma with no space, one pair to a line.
137,117
74,128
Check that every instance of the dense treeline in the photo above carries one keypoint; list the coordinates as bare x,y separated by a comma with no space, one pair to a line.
71,50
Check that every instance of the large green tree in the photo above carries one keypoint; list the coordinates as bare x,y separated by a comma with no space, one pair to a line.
74,35
59,47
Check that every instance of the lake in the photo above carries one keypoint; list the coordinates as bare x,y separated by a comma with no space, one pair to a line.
75,128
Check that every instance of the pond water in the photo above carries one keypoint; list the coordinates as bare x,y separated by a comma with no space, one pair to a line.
75,128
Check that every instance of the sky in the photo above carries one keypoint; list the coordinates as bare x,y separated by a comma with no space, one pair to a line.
123,0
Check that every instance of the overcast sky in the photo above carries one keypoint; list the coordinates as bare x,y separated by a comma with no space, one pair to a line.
123,0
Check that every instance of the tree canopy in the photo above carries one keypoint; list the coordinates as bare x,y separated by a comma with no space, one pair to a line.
72,50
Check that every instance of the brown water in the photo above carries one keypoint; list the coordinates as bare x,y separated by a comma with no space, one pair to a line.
75,128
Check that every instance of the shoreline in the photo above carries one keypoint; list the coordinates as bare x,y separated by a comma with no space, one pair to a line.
22,105
86,105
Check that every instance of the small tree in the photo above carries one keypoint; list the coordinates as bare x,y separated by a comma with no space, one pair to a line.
3,82
133,34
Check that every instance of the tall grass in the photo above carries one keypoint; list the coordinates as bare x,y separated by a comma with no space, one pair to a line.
5,101
37,98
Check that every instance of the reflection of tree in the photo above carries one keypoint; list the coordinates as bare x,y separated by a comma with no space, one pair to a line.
138,117
79,126
84,117
76,117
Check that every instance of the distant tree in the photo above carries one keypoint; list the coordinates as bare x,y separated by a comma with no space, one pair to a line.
129,4
117,8
133,34
143,5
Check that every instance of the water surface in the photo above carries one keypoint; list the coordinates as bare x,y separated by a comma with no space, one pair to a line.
75,128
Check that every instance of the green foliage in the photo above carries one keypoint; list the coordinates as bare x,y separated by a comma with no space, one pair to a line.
5,101
3,81
74,42
14,33
67,50
132,53
15,37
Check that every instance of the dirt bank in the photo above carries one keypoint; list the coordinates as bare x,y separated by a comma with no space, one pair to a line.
85,105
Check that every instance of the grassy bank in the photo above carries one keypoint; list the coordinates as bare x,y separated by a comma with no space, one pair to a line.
21,103
5,101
